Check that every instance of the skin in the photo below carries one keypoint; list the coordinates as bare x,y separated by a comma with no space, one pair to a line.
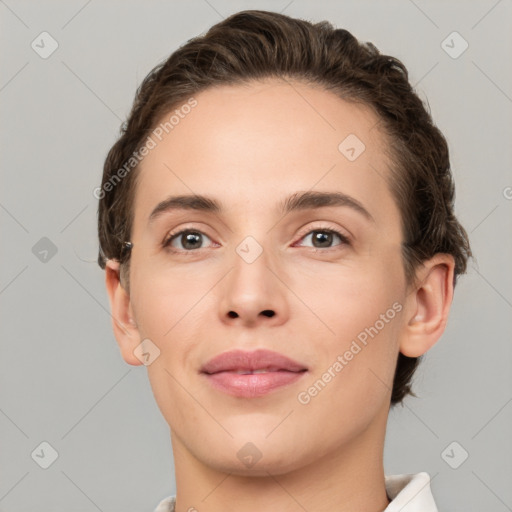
249,147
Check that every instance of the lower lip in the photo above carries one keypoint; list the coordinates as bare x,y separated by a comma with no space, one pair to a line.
252,385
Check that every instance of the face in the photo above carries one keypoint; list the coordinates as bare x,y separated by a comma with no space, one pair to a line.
321,283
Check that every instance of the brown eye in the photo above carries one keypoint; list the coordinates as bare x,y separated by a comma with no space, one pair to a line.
323,238
187,240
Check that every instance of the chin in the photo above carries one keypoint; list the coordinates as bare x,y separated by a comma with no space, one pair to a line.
255,459
273,464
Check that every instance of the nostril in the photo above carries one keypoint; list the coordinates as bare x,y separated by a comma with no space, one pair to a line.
268,312
232,314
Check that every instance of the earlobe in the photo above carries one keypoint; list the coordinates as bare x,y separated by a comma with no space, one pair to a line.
124,325
428,306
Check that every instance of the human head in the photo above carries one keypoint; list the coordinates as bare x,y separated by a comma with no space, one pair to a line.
254,45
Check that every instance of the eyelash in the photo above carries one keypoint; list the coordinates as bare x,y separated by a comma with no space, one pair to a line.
166,244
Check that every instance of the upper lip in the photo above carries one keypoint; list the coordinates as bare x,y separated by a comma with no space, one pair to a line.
261,359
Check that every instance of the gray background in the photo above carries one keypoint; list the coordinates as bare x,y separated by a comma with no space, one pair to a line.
63,380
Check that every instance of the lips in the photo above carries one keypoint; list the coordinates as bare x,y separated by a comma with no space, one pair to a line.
257,361
251,374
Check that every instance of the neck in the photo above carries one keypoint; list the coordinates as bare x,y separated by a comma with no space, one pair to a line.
347,478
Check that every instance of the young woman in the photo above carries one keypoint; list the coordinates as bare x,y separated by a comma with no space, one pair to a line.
276,224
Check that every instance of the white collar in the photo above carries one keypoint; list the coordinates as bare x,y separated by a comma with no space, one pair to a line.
409,493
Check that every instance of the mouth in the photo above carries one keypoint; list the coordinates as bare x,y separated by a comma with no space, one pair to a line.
251,374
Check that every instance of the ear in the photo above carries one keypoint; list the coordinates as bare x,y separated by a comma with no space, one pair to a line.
428,305
123,323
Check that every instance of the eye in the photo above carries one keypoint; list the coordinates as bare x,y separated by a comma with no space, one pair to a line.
322,238
189,239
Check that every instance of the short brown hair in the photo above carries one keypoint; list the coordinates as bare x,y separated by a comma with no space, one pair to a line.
254,45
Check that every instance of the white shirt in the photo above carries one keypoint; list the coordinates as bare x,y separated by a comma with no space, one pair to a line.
409,493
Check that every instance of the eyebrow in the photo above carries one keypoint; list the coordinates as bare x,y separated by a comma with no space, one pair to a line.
296,202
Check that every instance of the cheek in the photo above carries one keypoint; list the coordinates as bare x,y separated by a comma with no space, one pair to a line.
171,314
361,313
175,311
164,299
348,299
354,379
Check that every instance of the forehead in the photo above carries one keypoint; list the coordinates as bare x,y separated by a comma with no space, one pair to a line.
249,144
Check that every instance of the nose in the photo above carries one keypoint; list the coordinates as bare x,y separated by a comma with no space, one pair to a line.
254,292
